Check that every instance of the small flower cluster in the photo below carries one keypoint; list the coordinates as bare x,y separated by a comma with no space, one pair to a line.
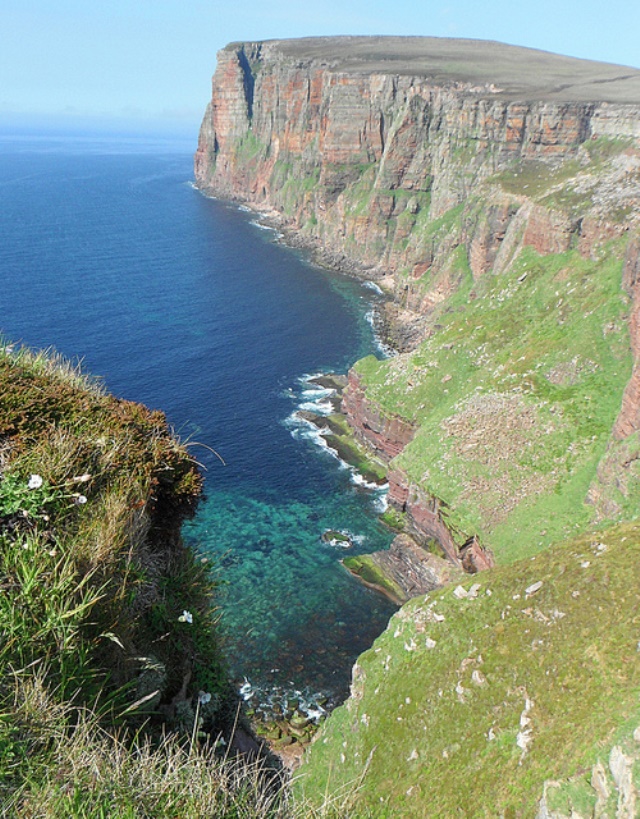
35,499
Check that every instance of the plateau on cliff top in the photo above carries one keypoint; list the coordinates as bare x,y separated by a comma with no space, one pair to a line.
510,72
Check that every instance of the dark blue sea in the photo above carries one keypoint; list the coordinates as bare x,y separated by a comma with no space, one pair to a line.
187,304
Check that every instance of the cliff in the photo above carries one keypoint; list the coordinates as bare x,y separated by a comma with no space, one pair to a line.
107,628
363,144
493,193
514,694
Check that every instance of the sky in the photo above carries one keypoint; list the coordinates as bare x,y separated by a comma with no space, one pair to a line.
148,63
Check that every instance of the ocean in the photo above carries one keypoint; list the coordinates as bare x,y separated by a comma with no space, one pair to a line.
109,255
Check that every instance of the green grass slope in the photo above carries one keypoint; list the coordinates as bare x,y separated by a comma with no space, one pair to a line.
515,395
467,705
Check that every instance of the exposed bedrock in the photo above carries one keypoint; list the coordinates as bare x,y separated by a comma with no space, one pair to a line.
425,514
359,158
386,435
431,165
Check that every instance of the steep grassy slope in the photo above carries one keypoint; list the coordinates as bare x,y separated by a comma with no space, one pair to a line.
466,705
514,397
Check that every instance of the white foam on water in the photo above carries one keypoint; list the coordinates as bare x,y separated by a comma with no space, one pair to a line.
258,224
266,698
303,429
373,286
317,407
381,503
383,349
359,480
317,392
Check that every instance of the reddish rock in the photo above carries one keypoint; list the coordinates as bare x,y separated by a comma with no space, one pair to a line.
548,231
414,570
386,434
628,420
398,489
475,557
329,149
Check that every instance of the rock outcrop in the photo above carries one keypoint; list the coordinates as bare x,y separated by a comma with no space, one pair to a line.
386,435
357,142
405,570
430,166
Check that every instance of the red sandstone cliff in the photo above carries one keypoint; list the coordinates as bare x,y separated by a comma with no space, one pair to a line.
415,160
358,157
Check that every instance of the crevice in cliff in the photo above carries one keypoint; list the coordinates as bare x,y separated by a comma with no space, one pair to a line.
248,81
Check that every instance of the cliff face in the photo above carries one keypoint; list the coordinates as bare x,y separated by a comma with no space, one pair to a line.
494,194
360,160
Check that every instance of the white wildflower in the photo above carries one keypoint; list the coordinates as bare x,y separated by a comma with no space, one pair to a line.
80,500
204,697
186,617
35,482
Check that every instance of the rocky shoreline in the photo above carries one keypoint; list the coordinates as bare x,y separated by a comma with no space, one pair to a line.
413,565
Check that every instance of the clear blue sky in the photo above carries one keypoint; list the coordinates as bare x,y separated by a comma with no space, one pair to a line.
149,62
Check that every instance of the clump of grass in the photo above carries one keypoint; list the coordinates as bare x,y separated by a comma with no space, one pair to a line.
100,601
70,766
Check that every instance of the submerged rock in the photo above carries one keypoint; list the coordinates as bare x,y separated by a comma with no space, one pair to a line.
337,538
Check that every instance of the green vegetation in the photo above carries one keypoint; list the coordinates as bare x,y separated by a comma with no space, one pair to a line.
515,396
114,698
463,705
602,149
534,178
394,519
106,620
249,149
367,570
341,439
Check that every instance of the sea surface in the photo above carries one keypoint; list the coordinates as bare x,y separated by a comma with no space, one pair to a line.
189,305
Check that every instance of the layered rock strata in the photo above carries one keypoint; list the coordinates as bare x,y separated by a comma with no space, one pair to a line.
357,151
408,570
426,163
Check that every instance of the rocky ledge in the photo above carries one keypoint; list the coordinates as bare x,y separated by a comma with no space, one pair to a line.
404,570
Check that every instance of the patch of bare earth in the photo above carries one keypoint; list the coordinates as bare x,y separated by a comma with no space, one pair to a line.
496,436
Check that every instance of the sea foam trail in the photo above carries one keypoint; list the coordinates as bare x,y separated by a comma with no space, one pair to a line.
313,399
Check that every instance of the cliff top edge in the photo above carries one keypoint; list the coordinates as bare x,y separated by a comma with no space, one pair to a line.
511,71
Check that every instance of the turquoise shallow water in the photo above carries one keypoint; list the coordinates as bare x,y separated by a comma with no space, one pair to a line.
108,254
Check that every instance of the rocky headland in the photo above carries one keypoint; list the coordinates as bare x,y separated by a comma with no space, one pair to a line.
493,193
443,168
